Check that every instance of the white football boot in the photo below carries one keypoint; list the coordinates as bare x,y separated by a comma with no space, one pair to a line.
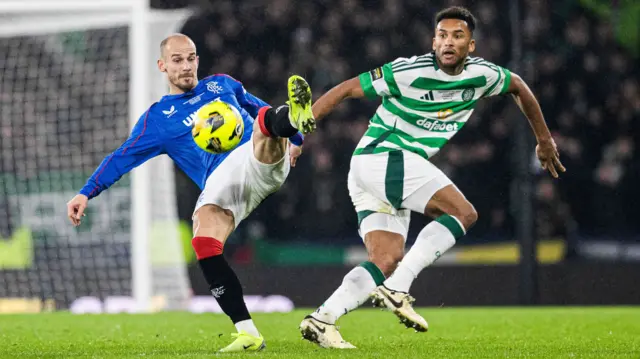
400,304
324,334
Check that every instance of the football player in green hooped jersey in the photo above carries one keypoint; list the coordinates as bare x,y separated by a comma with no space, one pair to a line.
425,101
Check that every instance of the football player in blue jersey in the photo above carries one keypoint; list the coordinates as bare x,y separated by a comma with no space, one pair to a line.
233,183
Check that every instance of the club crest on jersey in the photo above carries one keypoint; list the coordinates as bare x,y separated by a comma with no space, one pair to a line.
214,87
376,74
467,95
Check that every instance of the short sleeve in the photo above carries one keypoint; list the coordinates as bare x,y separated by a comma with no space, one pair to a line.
498,78
380,82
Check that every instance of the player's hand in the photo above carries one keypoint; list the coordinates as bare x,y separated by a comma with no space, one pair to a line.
294,153
547,153
76,207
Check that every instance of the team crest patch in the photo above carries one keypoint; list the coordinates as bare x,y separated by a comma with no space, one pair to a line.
467,95
214,87
376,74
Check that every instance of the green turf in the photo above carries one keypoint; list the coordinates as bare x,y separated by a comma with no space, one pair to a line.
454,333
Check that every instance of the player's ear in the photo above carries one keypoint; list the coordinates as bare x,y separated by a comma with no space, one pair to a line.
433,44
472,45
161,66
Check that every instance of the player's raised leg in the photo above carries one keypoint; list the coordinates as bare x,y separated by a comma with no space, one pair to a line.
234,189
453,215
212,225
273,126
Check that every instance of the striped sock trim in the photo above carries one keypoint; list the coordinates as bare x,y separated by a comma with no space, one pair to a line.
262,112
375,272
452,224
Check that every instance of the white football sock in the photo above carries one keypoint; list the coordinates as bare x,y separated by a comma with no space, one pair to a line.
354,290
248,326
434,239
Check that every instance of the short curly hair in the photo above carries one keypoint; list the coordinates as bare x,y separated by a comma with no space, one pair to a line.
457,12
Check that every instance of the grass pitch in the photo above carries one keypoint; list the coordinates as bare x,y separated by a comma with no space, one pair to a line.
454,333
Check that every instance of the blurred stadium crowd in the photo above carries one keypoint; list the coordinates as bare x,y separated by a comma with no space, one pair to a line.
586,83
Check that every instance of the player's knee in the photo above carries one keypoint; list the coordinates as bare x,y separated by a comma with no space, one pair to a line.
213,221
385,249
467,214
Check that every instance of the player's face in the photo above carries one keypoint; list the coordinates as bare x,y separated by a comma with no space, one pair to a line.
452,43
180,62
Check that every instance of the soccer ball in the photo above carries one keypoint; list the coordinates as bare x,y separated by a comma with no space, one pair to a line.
218,127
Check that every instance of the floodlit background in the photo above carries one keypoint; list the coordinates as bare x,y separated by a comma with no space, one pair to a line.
65,97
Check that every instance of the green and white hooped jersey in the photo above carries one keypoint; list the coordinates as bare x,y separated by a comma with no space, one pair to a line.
422,106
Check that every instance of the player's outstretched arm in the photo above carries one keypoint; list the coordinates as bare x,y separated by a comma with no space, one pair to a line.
327,102
142,145
546,149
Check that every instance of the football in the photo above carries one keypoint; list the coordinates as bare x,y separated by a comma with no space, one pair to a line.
218,127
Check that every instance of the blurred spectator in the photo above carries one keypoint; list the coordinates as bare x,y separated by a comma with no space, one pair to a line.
587,86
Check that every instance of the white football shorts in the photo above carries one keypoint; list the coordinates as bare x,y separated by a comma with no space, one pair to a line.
240,183
385,188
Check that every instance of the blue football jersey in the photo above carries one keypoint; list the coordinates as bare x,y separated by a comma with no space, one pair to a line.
165,128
